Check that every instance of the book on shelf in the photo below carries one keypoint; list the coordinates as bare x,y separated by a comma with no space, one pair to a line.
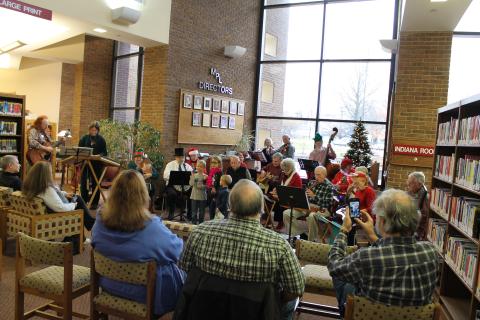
436,231
461,254
468,172
465,215
469,130
440,201
11,108
8,127
447,131
8,145
444,166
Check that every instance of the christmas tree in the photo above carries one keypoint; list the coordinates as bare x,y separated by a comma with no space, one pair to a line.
359,151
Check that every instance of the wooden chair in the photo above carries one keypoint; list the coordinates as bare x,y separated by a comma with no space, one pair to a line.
61,281
360,308
269,205
104,304
31,218
314,259
4,207
182,230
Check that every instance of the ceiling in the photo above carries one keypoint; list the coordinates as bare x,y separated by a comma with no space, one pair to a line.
424,15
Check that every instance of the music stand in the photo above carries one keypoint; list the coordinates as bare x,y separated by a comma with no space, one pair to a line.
181,179
75,152
292,197
308,165
257,155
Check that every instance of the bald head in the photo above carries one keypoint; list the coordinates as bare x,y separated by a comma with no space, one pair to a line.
320,173
246,199
286,138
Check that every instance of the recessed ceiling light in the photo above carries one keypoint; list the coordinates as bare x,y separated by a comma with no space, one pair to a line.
11,46
99,30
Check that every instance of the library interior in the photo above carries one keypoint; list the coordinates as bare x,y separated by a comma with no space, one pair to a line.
286,159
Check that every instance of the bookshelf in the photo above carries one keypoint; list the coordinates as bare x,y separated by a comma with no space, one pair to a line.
454,222
12,126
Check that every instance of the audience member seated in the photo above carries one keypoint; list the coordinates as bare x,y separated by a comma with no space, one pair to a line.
192,158
213,183
341,178
239,248
39,183
126,231
360,189
287,149
271,174
174,192
236,171
222,195
268,150
9,175
396,269
290,178
418,191
142,164
241,157
320,196
198,197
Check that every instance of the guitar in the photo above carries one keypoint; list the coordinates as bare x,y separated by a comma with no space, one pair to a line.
35,155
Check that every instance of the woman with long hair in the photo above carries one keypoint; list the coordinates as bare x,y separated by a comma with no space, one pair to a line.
40,143
126,231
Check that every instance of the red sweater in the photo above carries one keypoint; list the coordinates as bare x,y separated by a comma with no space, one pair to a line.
341,181
367,197
296,181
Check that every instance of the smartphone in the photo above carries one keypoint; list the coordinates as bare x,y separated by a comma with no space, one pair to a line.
354,205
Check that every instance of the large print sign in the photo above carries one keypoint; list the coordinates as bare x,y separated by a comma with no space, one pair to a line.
412,150
26,8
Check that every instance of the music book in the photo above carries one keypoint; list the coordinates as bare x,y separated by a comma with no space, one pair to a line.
308,165
257,155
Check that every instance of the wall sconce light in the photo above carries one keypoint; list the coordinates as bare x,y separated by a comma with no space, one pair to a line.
234,51
125,15
389,45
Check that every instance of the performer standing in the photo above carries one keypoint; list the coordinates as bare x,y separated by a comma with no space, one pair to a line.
192,157
268,150
92,140
319,152
40,143
175,192
287,149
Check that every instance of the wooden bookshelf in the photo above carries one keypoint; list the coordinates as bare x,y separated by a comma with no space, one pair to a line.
18,119
459,299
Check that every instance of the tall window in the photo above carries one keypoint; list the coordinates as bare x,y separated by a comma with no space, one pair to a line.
322,66
127,82
464,62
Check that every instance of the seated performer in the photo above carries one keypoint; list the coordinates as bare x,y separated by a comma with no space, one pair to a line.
192,157
287,149
320,196
319,152
290,178
174,192
142,164
270,175
341,178
268,150
40,143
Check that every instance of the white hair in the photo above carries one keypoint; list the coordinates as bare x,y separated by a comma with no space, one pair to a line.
419,176
288,165
399,212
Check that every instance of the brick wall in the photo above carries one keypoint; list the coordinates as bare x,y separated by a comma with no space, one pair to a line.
198,34
422,87
67,93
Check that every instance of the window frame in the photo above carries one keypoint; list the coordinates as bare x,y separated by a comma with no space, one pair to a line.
138,94
321,61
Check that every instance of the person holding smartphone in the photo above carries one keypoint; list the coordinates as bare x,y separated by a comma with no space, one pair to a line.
396,269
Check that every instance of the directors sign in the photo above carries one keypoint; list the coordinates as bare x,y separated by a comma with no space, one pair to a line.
215,87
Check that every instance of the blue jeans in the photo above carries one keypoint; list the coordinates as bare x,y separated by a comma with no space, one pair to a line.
286,313
198,210
342,290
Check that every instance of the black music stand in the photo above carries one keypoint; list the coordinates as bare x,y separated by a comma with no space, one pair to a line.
257,155
308,165
181,179
292,197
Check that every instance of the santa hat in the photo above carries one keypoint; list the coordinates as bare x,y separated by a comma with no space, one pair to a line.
192,151
345,162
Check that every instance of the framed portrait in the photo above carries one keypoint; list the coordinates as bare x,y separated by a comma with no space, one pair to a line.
231,123
241,108
197,102
216,105
207,104
196,119
187,101
224,106
224,122
233,107
215,120
206,120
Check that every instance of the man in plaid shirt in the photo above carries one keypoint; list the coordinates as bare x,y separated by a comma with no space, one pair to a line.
394,270
320,197
239,248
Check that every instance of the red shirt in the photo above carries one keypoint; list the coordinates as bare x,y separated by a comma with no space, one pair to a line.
296,181
341,181
366,196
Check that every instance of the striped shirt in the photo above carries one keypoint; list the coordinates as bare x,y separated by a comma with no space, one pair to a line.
241,249
395,271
